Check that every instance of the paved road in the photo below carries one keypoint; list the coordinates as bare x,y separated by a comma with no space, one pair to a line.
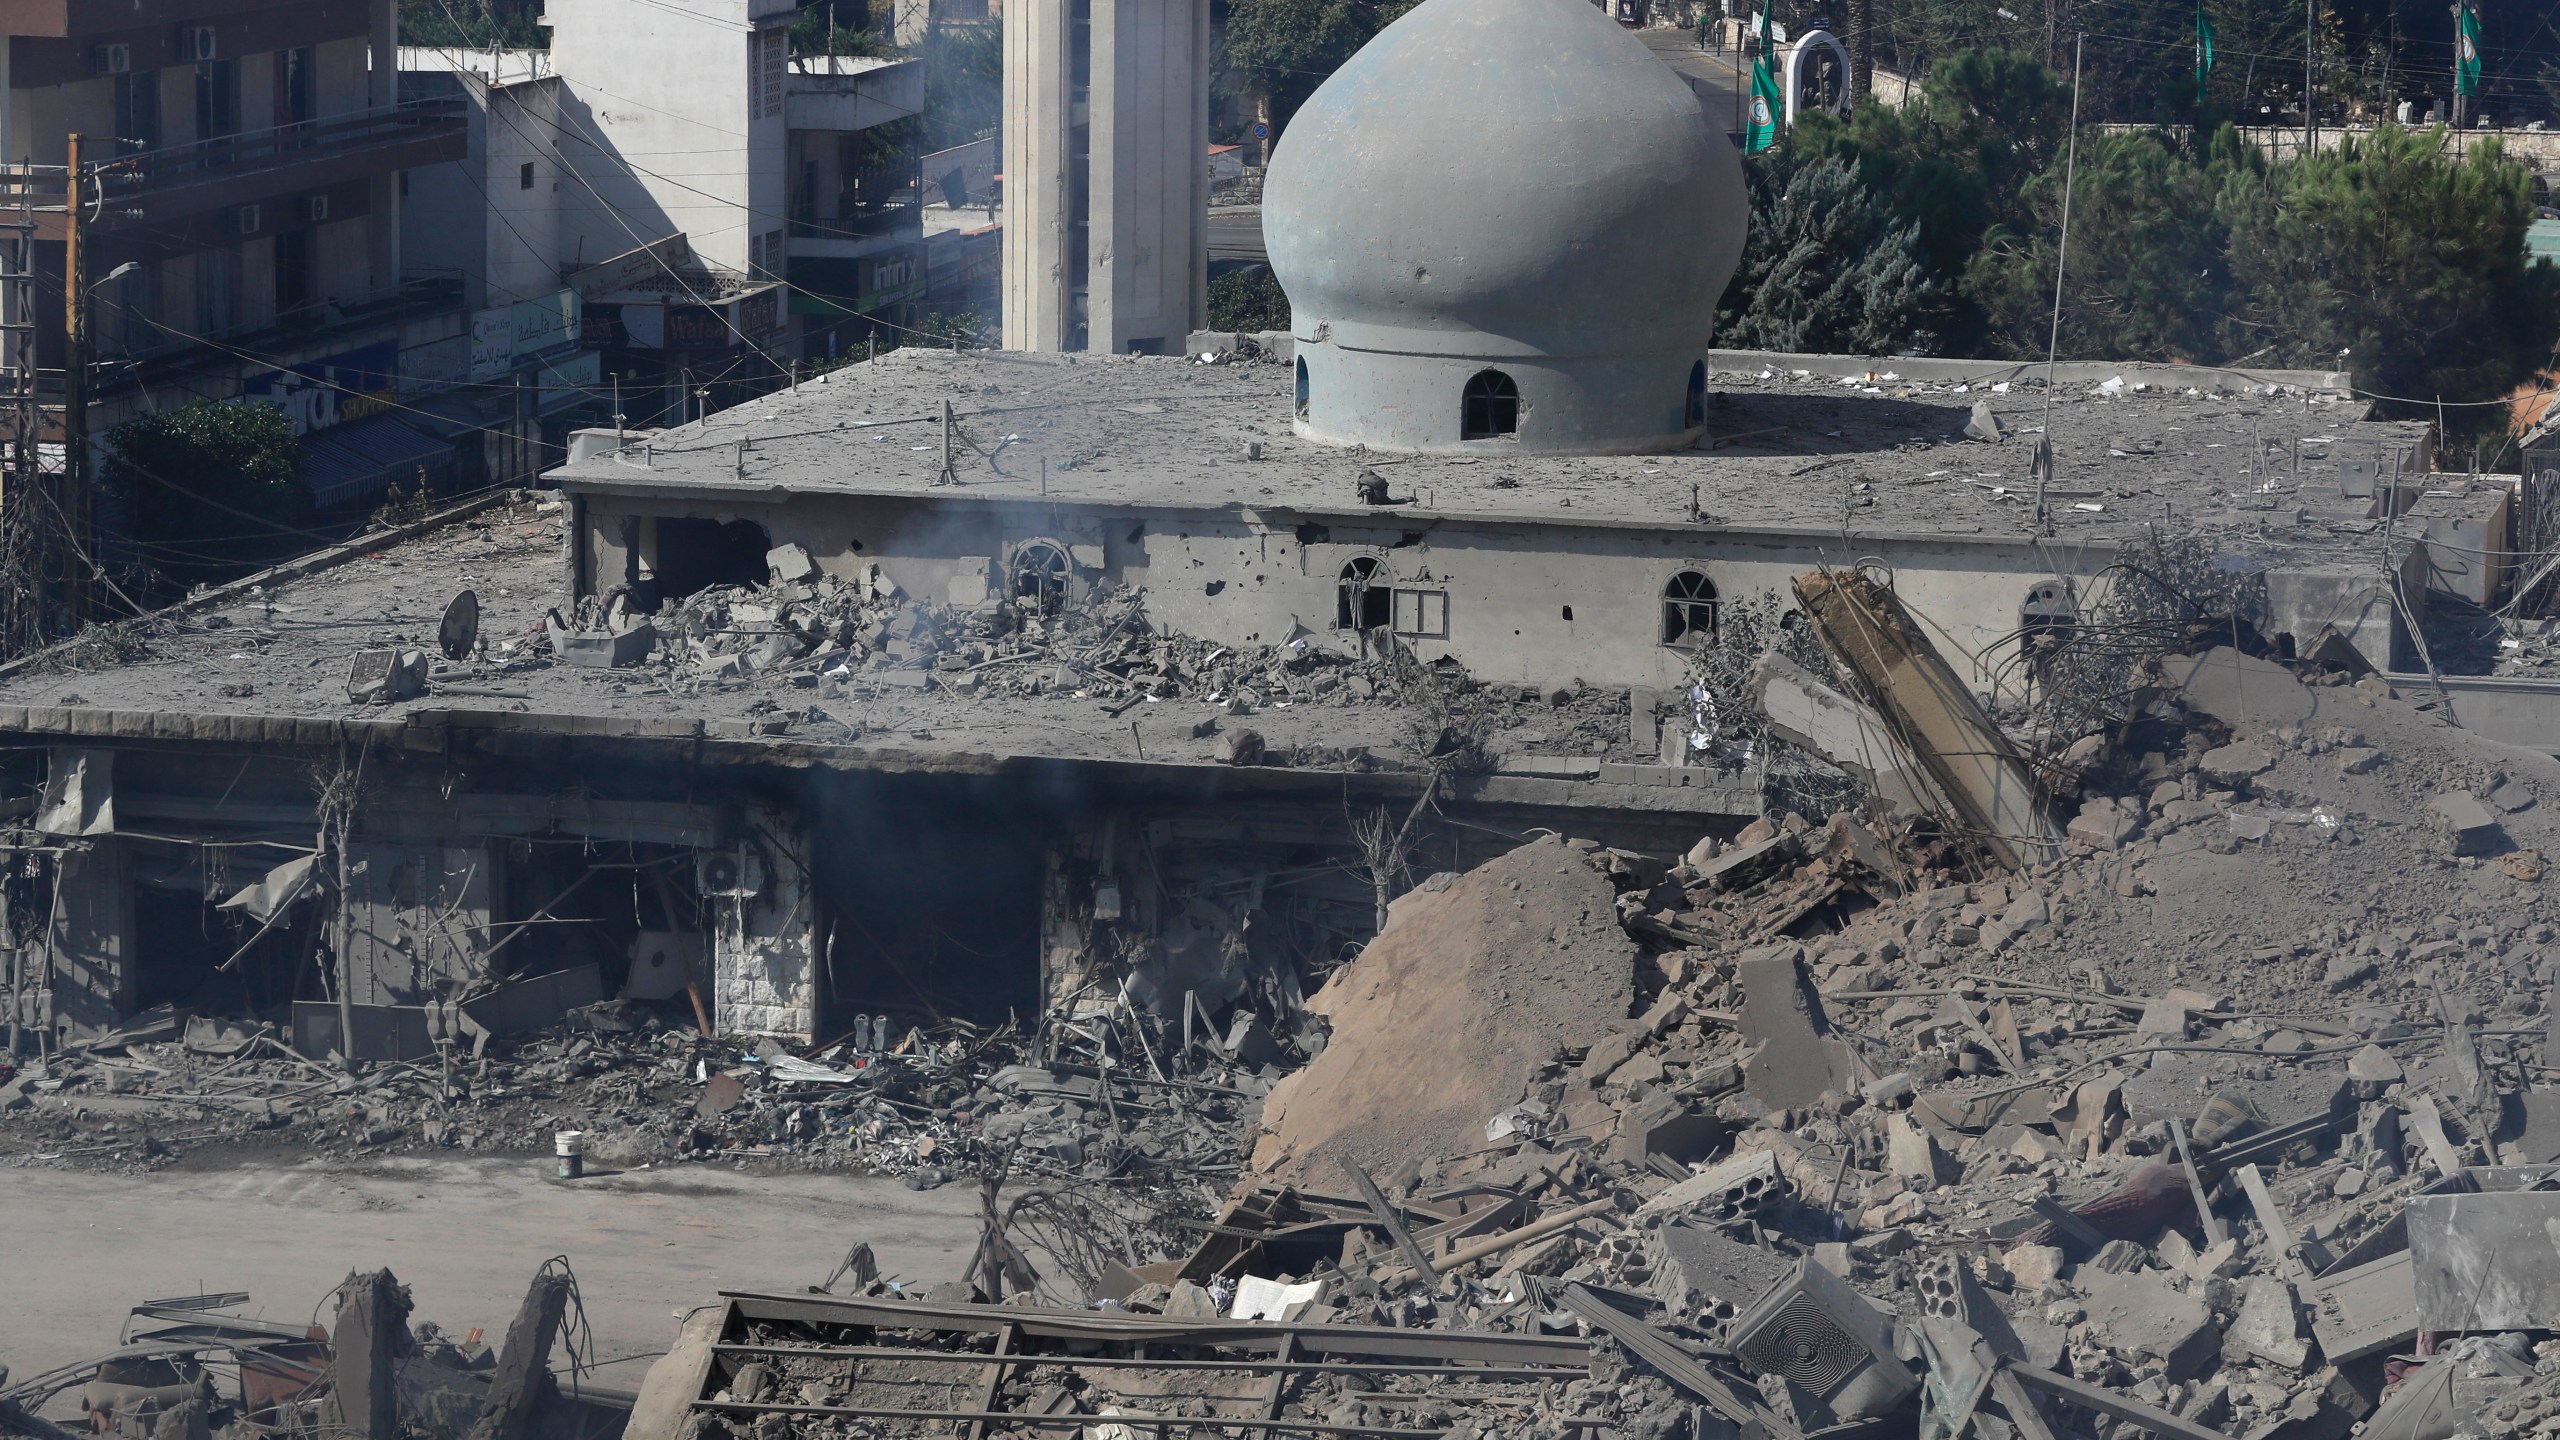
464,1235
1236,234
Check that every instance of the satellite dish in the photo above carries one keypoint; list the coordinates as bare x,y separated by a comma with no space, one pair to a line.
460,631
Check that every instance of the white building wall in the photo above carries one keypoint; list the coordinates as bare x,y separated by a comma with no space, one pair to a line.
674,119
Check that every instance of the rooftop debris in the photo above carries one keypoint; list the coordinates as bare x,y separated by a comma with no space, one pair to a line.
2223,1111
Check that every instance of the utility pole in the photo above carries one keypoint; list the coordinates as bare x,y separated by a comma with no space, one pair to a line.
2459,99
75,389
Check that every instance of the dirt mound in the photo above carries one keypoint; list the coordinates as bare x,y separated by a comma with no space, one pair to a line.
1477,981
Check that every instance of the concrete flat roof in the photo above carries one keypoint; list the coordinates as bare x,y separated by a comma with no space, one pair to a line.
266,666
1801,445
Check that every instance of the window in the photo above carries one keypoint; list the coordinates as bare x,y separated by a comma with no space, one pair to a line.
524,176
293,85
1038,583
138,109
1491,407
768,63
217,100
1362,600
1694,413
1422,613
1302,387
1689,610
293,270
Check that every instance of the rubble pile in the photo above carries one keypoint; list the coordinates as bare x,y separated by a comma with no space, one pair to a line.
810,631
635,1090
2189,1127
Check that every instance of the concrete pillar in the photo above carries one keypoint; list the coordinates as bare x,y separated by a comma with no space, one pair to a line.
765,935
1106,126
92,941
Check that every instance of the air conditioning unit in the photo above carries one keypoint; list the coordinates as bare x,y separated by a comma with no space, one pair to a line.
199,42
736,873
111,59
313,209
246,220
1830,1344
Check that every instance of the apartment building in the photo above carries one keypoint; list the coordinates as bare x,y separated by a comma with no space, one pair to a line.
700,208
240,167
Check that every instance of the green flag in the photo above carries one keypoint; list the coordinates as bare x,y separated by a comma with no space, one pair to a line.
1767,102
2466,51
2204,50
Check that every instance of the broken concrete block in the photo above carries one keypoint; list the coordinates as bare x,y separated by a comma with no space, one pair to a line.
2165,1017
1911,1153
2468,824
2032,1267
2268,1327
2137,1314
1743,866
2236,761
790,563
1982,424
1240,746
386,677
2101,826
2372,1070
1794,1063
2359,759
2241,690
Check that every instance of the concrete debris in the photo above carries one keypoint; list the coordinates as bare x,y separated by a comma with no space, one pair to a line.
2180,1127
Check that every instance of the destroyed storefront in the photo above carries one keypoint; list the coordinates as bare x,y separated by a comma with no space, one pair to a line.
410,882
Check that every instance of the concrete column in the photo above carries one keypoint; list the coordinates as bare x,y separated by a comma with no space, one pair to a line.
92,941
764,944
1038,112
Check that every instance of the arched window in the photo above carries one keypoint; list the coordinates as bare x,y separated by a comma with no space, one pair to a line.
1490,407
1302,387
1689,610
1038,581
1694,413
1363,600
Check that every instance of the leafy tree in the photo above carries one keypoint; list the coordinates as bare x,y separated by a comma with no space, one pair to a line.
213,490
963,84
1284,49
2147,278
837,27
1826,268
1248,300
474,24
1954,165
2410,264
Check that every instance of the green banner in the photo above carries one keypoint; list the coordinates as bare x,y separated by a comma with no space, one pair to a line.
2466,52
2204,51
1767,102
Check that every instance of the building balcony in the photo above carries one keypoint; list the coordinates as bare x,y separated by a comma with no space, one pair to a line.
165,189
70,19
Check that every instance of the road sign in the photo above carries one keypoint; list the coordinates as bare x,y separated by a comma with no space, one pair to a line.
1261,130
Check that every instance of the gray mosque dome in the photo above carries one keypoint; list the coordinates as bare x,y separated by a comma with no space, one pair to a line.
1503,224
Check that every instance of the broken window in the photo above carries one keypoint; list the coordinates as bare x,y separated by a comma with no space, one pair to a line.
1694,413
2045,623
1362,601
1039,580
1689,610
691,555
1491,407
1302,387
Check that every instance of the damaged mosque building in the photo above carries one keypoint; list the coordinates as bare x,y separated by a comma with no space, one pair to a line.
993,683
1478,867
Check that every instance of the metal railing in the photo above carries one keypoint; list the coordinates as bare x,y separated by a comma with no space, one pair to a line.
223,156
